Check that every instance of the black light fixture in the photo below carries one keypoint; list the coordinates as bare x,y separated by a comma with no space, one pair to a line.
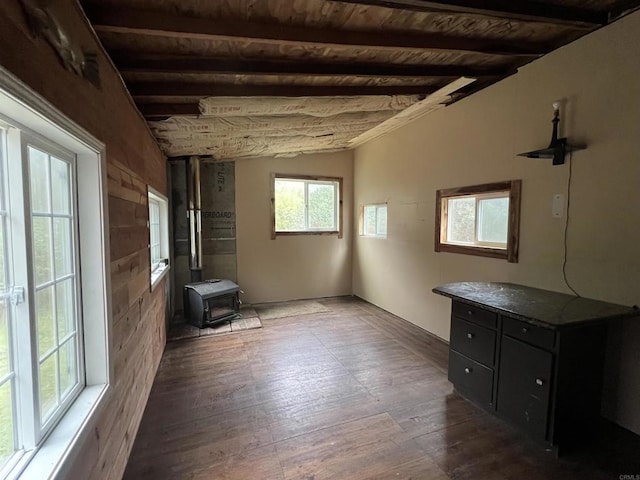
558,148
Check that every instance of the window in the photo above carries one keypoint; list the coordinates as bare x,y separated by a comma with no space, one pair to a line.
158,235
479,220
373,220
53,284
306,205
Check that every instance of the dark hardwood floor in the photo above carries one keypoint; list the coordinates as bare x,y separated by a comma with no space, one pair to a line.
355,393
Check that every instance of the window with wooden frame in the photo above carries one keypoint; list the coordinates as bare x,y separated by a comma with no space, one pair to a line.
479,220
306,205
373,220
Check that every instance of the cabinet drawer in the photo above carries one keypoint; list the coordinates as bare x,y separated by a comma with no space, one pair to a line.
538,336
474,341
474,314
471,378
524,386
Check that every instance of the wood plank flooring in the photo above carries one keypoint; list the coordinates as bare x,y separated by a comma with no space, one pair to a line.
354,393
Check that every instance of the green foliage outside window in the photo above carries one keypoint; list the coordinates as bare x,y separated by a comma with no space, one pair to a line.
305,205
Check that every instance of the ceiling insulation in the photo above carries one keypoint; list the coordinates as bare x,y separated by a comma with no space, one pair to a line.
243,78
313,106
237,127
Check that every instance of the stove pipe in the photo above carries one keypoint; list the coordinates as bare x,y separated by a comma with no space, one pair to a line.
194,206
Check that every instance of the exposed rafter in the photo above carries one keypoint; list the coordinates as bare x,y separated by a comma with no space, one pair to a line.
623,8
244,79
164,110
181,26
519,10
131,62
201,89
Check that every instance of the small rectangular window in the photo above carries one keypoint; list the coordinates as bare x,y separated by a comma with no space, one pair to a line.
158,235
306,205
479,220
373,220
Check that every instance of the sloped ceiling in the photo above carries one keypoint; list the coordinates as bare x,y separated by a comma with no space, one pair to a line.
241,78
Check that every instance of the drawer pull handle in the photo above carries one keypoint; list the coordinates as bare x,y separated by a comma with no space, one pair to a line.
525,330
470,336
469,312
539,382
467,370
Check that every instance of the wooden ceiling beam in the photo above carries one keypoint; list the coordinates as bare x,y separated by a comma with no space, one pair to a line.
164,110
132,62
166,24
624,7
525,10
201,90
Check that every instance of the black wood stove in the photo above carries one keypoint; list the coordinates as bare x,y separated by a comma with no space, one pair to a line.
211,301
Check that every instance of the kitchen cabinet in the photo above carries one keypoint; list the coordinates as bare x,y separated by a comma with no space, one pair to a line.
532,357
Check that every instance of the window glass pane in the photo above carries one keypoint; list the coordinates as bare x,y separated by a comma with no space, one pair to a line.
63,246
461,220
6,422
68,376
155,235
154,212
369,220
290,209
3,273
61,191
322,206
48,382
45,320
493,219
42,249
4,340
381,220
154,231
39,180
65,308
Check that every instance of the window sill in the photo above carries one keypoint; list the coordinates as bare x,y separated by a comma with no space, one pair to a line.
292,234
56,455
157,275
478,251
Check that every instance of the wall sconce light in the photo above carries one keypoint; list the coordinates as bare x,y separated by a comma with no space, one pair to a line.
558,147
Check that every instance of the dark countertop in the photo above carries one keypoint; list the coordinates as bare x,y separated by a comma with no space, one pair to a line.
534,305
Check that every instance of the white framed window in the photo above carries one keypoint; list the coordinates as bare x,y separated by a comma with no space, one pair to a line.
303,205
54,285
158,235
479,220
373,220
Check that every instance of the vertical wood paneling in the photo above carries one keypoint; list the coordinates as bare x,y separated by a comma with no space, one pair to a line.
133,162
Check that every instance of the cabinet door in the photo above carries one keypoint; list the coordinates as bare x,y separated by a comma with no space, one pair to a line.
524,385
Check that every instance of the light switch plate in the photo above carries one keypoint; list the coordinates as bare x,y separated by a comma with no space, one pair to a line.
557,206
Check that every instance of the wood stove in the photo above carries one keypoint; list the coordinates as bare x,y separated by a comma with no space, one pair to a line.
209,302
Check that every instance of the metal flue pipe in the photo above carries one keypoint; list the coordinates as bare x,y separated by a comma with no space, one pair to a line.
194,206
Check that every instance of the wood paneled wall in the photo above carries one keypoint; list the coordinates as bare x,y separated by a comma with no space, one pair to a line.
133,160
